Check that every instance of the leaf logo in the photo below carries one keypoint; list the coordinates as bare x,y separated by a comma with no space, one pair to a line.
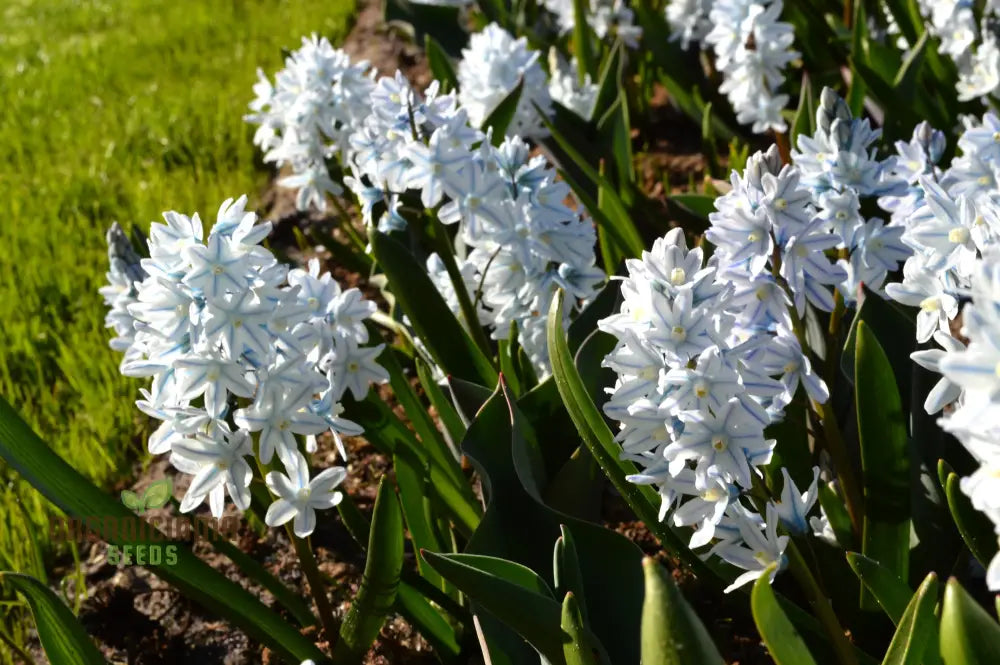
156,496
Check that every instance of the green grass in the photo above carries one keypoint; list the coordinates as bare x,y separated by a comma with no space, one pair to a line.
113,110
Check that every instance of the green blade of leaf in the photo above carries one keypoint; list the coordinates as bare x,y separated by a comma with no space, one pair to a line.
448,343
976,529
916,628
440,64
969,635
446,412
566,571
414,495
377,593
782,639
672,634
884,584
500,118
885,458
583,40
61,484
512,593
419,612
63,638
577,649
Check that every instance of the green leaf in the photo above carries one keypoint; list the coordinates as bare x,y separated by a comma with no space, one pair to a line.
836,511
519,526
453,425
906,79
602,445
380,582
62,636
697,204
577,649
610,80
889,590
566,571
969,635
159,493
916,628
583,40
133,501
887,321
500,117
419,612
512,593
782,639
672,634
61,484
805,114
885,458
414,495
432,319
976,530
440,64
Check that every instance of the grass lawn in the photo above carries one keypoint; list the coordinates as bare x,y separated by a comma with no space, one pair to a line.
110,110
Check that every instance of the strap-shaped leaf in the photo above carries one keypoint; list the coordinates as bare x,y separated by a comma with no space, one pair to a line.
672,634
577,649
500,118
782,639
512,593
65,641
380,582
77,497
440,64
976,530
433,321
969,635
889,590
885,458
914,636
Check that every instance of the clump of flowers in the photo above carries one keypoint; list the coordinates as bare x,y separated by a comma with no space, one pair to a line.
840,166
711,353
607,18
491,67
414,156
970,43
245,357
751,46
306,116
952,222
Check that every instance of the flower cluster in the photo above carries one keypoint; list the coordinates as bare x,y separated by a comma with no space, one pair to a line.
607,18
952,222
523,241
841,168
751,46
971,44
307,115
244,355
493,65
709,354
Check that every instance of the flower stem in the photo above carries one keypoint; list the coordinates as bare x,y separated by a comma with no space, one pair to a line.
820,605
468,310
303,548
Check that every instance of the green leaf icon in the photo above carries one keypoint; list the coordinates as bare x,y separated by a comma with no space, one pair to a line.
158,493
132,501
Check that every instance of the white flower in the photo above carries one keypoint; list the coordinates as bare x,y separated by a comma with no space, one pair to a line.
299,498
793,508
218,466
